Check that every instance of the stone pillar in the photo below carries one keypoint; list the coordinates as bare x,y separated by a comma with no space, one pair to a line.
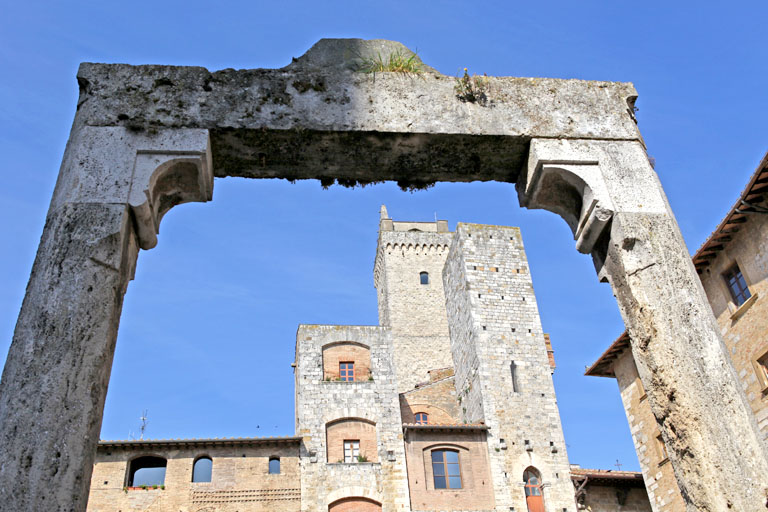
114,187
612,199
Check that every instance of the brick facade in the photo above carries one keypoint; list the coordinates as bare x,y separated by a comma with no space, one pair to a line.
476,492
240,480
354,505
345,352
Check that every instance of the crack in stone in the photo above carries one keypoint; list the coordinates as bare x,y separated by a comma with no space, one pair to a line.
641,269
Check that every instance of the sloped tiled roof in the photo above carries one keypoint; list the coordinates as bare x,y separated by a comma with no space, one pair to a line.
216,441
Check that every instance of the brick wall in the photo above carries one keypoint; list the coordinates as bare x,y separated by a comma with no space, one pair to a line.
662,490
354,505
346,352
745,329
240,481
494,321
437,399
476,492
348,430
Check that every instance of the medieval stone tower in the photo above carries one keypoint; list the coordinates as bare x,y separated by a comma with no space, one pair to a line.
448,404
408,277
503,371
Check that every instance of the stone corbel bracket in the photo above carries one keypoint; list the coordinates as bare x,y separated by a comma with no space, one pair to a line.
150,173
578,181
161,180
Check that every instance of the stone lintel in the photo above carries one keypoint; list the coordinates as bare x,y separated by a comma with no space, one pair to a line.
320,117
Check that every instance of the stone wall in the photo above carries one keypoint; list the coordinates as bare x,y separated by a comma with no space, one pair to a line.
415,312
605,498
745,328
662,490
494,322
320,403
476,492
240,481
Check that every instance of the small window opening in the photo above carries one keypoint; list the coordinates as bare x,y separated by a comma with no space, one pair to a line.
761,367
737,285
513,372
202,470
347,371
446,470
147,471
424,277
351,450
274,465
421,418
663,456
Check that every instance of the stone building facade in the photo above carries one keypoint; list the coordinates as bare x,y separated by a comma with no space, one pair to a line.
733,268
447,405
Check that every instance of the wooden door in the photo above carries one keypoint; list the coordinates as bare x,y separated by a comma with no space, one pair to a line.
535,503
533,497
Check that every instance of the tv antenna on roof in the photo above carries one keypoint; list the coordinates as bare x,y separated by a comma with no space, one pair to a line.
143,424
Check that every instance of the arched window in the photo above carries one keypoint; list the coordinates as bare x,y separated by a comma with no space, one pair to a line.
446,470
274,465
147,471
202,470
424,277
533,497
421,418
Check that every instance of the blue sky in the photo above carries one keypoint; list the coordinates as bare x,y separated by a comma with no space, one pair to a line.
207,332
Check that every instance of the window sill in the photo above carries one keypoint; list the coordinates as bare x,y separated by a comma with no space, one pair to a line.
354,463
347,382
743,308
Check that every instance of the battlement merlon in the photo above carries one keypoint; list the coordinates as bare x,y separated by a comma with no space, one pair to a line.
406,234
291,122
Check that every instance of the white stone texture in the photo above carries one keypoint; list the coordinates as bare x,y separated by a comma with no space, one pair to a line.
319,402
494,321
414,312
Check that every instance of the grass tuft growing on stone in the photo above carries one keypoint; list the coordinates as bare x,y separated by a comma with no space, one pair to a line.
396,62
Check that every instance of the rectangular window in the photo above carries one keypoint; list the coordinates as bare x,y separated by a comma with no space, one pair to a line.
737,285
351,450
347,371
761,368
663,457
513,372
446,471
